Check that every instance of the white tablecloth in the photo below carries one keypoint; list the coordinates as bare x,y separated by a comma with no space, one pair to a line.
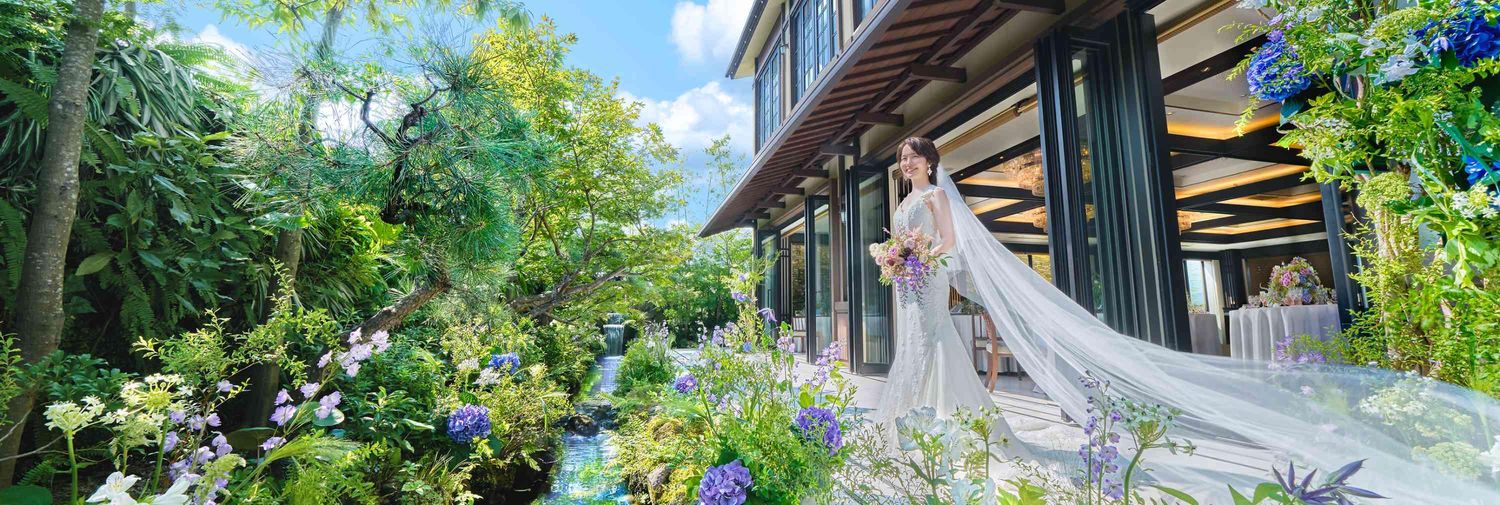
1253,332
1204,329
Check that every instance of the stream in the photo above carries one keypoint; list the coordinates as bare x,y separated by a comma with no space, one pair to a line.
582,474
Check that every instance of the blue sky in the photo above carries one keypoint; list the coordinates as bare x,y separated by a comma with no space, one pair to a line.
670,55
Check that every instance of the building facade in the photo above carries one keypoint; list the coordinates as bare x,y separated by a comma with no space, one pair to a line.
1097,139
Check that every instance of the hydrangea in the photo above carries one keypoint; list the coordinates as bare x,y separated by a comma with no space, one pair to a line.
468,423
1469,34
685,383
727,484
1274,73
816,421
509,362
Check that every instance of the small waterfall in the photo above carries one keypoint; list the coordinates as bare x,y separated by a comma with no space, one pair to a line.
614,337
582,474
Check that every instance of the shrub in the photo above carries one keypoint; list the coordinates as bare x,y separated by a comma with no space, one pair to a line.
647,364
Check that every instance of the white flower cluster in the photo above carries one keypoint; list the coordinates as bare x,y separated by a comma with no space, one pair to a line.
70,418
1476,203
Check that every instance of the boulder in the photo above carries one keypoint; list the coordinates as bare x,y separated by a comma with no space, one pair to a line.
658,478
601,411
582,424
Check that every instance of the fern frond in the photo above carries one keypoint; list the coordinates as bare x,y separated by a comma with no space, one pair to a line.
31,102
12,243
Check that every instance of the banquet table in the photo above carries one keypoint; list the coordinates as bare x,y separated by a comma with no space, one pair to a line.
1204,329
1253,331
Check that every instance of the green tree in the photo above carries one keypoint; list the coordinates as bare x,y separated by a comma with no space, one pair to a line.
590,243
39,314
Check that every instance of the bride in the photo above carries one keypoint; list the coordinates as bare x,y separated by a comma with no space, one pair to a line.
931,366
1242,415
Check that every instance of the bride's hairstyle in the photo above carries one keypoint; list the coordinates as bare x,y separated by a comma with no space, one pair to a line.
923,147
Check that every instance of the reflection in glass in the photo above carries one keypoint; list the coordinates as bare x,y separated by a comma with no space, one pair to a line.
875,302
820,308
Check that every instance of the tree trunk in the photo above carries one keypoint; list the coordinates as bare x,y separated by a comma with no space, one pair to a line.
39,309
267,377
392,315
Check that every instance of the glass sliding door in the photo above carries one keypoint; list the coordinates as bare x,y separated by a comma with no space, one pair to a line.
870,325
819,311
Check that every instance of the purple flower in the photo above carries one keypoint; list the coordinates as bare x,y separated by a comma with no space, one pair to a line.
727,484
381,340
221,446
195,423
308,390
272,443
1469,34
1089,427
685,383
328,403
212,420
746,347
509,362
818,422
326,359
283,414
468,423
1115,416
169,442
225,386
1274,72
282,397
177,416
768,314
740,297
1108,453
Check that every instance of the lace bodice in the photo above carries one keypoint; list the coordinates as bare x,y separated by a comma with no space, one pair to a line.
915,214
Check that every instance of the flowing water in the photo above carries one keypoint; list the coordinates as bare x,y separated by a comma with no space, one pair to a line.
582,474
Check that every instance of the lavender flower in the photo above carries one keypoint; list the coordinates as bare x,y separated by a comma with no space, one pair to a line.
272,443
221,446
170,441
283,414
818,422
468,423
685,383
1274,72
509,362
1334,491
727,484
308,390
328,403
740,297
282,397
224,386
177,416
768,314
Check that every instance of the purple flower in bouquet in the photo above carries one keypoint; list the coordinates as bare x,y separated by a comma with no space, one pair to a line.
508,362
818,422
740,297
468,423
685,383
727,484
1274,72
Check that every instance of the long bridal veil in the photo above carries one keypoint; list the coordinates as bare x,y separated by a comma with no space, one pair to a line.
1423,441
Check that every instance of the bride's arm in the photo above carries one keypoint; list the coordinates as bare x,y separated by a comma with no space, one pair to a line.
943,216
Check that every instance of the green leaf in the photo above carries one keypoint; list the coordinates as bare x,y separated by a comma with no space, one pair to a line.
805,399
31,102
1239,499
249,439
94,263
26,495
216,136
168,185
419,425
151,259
468,398
1266,490
1184,497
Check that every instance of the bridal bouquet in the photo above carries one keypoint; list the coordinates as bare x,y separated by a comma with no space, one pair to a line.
1294,283
907,260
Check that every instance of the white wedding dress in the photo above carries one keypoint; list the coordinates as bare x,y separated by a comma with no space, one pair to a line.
932,365
1241,414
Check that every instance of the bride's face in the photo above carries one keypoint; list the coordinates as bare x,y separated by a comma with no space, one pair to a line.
912,165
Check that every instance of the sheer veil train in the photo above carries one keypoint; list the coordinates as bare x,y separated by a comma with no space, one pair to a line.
1229,406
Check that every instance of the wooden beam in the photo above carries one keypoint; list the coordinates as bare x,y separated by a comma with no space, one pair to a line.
1042,6
771,204
879,118
1009,210
1005,192
838,150
927,20
1243,190
1214,65
996,159
803,172
1310,210
938,73
1011,227
786,191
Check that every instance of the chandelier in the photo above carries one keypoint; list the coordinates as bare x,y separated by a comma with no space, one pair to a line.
1027,170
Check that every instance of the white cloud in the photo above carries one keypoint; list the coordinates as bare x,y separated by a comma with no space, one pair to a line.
708,31
693,119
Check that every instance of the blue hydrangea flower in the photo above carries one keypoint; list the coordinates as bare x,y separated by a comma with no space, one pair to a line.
1274,73
746,347
727,484
818,422
1468,34
468,423
685,383
508,362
